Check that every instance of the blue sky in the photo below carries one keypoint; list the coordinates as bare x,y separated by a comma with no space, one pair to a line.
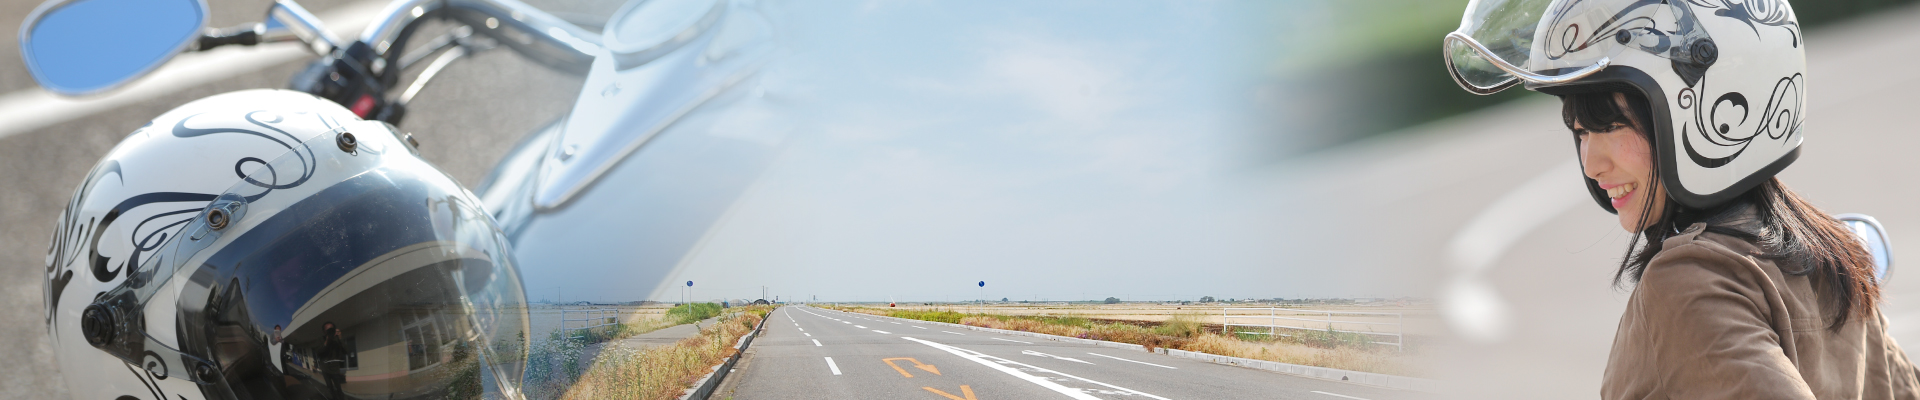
1053,149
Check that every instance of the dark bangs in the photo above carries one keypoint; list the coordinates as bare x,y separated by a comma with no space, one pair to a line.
1597,110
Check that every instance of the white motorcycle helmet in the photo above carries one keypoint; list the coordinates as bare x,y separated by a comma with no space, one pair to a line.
1725,79
270,244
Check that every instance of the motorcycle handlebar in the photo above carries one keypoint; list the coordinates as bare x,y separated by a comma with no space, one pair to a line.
534,33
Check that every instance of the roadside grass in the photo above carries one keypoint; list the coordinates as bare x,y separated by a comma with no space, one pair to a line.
628,373
1348,351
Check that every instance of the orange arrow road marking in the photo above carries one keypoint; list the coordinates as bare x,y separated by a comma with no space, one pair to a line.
963,390
916,364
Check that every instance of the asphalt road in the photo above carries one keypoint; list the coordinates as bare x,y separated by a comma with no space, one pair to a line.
812,353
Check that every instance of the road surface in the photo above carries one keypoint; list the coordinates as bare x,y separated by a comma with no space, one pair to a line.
813,353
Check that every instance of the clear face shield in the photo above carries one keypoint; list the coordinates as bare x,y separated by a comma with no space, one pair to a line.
1502,43
342,269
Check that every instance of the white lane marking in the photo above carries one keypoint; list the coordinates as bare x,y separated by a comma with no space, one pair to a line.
861,327
883,332
956,333
895,323
808,334
1132,361
997,364
1039,354
1010,340
801,329
832,366
816,342
1338,395
845,322
921,327
30,109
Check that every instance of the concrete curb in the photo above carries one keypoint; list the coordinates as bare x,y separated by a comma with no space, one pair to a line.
1356,377
704,388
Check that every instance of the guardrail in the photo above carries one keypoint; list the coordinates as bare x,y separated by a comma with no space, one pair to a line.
1244,317
588,319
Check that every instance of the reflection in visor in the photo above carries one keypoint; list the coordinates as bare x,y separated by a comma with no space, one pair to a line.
1495,46
357,291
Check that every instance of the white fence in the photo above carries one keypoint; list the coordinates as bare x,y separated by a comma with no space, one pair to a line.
582,320
1275,319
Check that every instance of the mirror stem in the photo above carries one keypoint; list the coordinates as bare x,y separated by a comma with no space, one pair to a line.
245,35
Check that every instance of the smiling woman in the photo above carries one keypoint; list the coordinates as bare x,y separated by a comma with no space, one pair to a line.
1682,114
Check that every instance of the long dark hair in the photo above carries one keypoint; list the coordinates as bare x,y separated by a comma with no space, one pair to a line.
1800,238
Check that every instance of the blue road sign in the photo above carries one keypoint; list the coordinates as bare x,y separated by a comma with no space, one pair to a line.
689,283
983,283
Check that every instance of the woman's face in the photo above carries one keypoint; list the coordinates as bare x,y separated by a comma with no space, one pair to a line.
1621,161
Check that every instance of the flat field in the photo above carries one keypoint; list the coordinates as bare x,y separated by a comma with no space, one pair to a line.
1411,320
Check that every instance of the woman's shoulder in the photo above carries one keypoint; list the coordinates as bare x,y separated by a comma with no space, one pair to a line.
1687,262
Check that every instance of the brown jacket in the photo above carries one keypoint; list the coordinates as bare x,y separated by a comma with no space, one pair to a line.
1710,321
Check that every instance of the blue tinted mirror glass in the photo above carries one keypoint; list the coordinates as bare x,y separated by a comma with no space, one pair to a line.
87,46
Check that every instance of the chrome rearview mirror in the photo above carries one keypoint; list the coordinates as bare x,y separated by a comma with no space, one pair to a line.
1874,236
82,47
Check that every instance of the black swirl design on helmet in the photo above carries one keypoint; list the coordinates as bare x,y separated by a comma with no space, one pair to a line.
1772,13
1779,120
74,235
264,120
1570,38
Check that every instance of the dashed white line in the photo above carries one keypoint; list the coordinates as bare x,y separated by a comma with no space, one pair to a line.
1010,340
816,342
861,327
883,332
830,365
1132,361
1339,395
921,327
956,333
808,334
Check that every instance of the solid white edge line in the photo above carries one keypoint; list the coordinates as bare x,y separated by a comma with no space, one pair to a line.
1010,340
956,333
1339,395
816,343
1132,361
832,366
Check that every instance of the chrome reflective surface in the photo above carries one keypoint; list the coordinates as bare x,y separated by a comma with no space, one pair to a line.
621,109
89,46
542,36
1874,236
288,21
642,31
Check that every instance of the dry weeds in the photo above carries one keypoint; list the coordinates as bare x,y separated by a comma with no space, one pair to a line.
663,372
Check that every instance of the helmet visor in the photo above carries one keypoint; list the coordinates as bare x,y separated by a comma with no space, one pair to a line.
1501,43
332,272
